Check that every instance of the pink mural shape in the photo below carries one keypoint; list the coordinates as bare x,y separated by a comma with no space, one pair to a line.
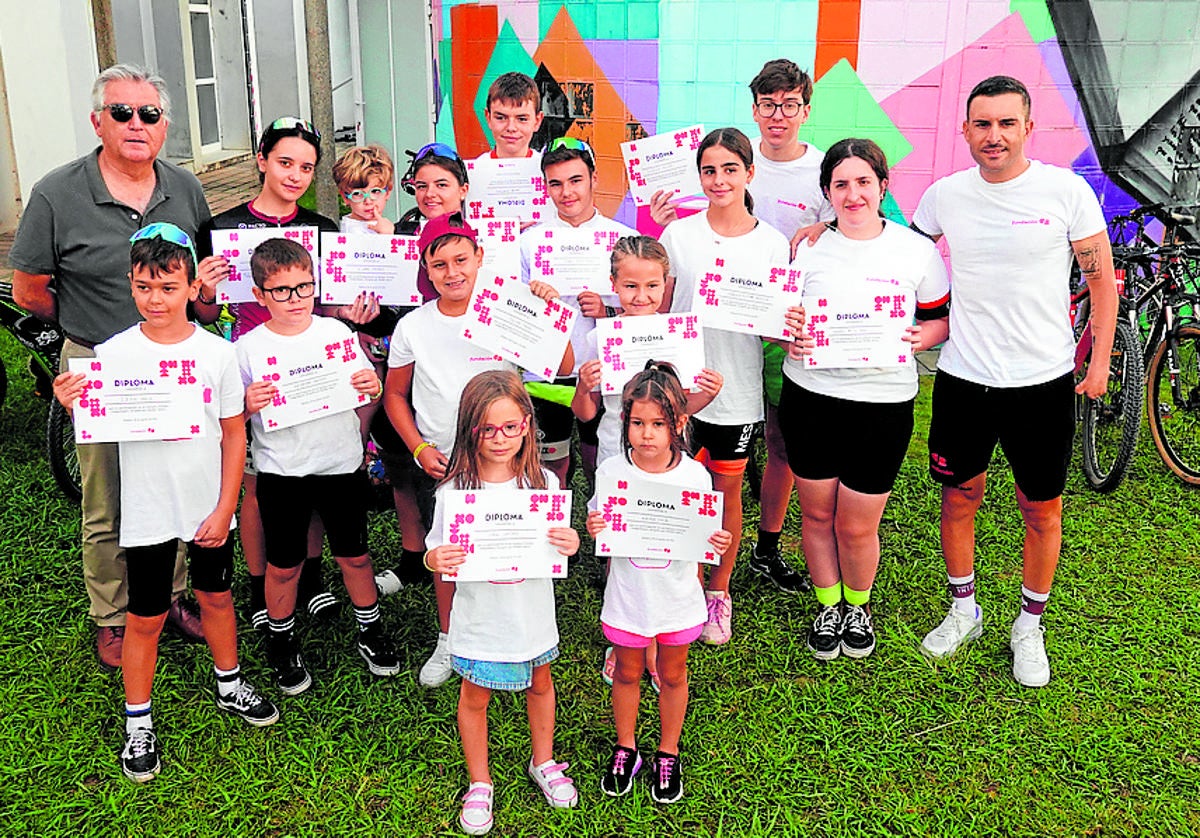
897,43
930,116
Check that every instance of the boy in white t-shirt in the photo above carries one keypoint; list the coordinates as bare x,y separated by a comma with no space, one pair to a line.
315,466
176,490
429,365
513,114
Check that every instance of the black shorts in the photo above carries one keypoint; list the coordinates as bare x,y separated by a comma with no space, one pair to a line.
554,423
150,570
286,505
861,444
723,442
1035,427
397,460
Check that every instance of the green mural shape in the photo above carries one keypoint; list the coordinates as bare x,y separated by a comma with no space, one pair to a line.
843,107
443,132
892,211
507,56
613,20
1037,19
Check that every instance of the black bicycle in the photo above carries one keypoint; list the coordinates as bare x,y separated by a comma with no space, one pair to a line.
44,342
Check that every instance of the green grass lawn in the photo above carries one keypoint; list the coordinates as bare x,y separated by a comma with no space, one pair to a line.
775,742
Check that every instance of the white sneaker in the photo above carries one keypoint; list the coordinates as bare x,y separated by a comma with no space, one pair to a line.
1031,667
436,670
388,583
557,787
476,815
953,632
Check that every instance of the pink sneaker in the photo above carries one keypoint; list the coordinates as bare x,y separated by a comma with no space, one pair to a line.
718,629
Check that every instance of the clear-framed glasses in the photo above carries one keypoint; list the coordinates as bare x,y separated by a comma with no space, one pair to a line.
283,293
511,430
767,110
167,232
357,196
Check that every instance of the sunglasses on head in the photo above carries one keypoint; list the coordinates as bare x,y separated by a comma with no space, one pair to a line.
286,123
149,114
440,149
166,232
430,150
573,143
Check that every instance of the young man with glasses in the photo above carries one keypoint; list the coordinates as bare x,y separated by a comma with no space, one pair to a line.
71,257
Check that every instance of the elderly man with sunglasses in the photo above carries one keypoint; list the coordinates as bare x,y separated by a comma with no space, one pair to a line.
71,265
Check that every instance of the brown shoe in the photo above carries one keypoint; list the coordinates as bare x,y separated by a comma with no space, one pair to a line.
184,615
110,640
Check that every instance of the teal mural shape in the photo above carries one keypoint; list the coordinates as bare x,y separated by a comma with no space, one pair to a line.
612,20
843,107
507,56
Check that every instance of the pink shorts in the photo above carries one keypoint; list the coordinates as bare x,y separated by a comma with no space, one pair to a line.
629,640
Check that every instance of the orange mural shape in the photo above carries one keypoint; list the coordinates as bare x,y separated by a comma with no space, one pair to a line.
837,34
474,31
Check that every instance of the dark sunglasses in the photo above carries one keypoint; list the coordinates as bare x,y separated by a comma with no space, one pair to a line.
167,232
149,114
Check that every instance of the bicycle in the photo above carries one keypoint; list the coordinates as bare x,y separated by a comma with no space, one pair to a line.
44,342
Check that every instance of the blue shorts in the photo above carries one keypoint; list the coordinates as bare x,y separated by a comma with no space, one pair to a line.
501,675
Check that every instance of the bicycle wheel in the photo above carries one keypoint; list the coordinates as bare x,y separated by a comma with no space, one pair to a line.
1111,423
60,450
1175,421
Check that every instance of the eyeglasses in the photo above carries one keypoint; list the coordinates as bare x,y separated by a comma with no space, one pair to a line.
511,430
149,114
357,196
440,149
573,143
767,109
283,293
166,232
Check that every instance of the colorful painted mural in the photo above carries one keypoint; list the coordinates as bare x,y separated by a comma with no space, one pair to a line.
1115,85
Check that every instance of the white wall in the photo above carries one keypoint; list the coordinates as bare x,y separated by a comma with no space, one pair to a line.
49,63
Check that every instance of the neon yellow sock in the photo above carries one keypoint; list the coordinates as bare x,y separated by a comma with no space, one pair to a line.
857,597
829,596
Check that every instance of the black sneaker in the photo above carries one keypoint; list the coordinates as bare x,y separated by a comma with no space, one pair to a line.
858,635
290,675
247,703
825,637
772,567
666,784
139,759
622,768
377,650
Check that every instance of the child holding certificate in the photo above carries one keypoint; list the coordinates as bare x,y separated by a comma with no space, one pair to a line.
430,363
503,636
725,237
650,600
288,153
844,474
311,466
176,490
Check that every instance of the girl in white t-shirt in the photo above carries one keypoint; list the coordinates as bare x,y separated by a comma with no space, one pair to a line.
857,420
727,238
647,600
503,635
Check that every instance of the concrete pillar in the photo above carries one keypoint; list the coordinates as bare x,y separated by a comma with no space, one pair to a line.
316,32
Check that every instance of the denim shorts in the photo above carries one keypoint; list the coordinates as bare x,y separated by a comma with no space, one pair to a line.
501,675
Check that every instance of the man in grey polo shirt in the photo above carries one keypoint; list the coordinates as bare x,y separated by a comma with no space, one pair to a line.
71,265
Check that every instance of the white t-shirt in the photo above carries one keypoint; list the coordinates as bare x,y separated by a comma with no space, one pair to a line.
326,445
896,260
168,487
443,363
608,432
653,596
692,246
528,242
1010,266
787,195
511,622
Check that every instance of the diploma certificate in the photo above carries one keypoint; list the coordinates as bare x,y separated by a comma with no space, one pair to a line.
238,246
506,318
507,187
501,252
312,382
625,344
858,330
356,263
751,298
126,399
574,260
648,520
505,533
665,162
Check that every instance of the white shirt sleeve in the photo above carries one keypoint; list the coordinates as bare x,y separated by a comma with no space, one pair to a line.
925,218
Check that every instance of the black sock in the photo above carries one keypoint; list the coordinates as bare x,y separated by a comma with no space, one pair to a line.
768,542
258,596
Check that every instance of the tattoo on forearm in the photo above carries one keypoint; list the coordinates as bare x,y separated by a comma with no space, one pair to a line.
1089,261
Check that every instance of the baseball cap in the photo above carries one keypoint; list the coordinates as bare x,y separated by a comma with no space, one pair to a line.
450,224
